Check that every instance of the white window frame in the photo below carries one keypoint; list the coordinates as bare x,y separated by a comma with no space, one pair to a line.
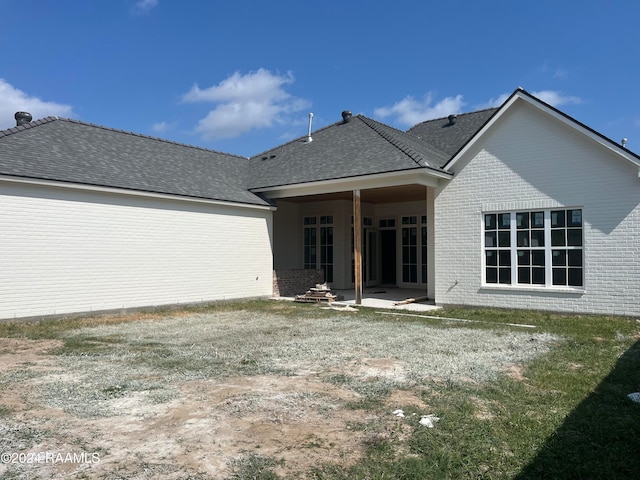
320,249
548,250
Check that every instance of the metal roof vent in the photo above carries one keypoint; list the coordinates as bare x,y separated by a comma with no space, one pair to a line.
22,118
624,143
346,116
452,119
309,139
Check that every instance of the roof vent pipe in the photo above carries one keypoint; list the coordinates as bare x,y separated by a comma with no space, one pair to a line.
452,119
346,116
624,143
22,118
309,139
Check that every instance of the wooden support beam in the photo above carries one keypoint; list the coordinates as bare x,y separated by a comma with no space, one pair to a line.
357,245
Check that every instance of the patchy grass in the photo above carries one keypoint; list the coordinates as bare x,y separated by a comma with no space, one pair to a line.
513,402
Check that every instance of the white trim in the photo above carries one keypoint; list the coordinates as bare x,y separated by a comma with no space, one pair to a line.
521,205
418,176
520,95
523,288
135,193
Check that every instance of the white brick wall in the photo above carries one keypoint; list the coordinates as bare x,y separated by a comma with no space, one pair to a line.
66,250
531,157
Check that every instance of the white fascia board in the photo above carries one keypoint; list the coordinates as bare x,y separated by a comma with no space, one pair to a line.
418,176
579,127
134,193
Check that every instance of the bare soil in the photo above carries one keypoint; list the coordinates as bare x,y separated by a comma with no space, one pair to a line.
196,427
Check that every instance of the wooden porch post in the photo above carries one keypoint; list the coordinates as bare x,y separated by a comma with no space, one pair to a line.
357,245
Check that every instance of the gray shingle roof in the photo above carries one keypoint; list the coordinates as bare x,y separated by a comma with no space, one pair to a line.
452,137
360,147
77,152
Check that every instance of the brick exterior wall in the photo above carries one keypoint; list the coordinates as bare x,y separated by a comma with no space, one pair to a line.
531,161
289,283
68,251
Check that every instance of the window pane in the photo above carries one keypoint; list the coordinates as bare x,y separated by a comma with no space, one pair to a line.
575,277
490,239
523,238
524,257
490,221
559,258
504,220
537,257
524,275
538,275
492,275
537,219
405,273
504,275
574,237
491,258
504,257
559,276
557,219
574,218
575,258
537,238
504,239
557,238
522,220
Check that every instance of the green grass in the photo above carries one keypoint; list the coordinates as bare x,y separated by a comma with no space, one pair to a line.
565,416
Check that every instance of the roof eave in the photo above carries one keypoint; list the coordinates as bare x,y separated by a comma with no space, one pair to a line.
420,175
136,193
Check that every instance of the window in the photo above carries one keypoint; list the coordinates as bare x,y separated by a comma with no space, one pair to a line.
539,248
318,239
410,249
423,248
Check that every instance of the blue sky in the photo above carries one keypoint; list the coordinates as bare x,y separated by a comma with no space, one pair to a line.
242,76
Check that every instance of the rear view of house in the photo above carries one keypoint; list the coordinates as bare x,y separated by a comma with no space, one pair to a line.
519,207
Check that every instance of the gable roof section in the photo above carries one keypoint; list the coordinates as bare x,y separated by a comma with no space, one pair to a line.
452,137
63,150
522,95
356,148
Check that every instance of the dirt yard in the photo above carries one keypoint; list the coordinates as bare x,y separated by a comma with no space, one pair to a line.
191,396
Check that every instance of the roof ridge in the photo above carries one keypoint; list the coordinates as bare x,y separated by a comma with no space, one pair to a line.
374,125
25,126
294,140
50,119
457,114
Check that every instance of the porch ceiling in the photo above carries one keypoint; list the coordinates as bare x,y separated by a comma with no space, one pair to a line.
404,193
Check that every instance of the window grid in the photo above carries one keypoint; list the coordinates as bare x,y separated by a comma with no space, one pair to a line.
539,248
318,238
410,249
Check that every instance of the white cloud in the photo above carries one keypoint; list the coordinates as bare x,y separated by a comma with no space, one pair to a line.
410,111
552,97
556,98
144,6
245,102
13,100
160,127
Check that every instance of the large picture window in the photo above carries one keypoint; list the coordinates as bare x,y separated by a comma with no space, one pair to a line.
539,248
